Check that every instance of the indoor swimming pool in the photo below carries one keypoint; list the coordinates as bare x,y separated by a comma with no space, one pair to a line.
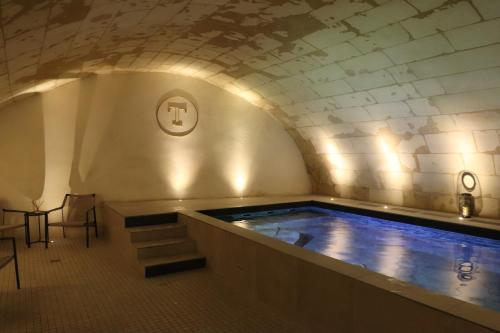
459,265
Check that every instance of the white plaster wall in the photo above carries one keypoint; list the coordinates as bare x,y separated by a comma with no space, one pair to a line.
22,152
100,135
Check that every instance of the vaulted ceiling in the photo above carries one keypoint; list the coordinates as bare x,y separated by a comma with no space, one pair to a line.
368,88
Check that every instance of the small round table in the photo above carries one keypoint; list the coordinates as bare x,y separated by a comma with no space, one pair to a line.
37,214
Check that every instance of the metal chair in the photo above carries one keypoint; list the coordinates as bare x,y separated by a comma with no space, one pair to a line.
77,211
9,227
4,260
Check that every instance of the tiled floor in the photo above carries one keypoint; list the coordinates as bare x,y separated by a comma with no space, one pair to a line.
69,288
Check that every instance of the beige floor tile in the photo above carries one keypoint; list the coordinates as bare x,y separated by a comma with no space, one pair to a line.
69,288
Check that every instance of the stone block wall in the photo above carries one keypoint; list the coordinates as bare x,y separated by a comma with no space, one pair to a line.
413,100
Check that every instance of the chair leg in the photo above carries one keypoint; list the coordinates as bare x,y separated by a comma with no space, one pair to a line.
87,232
95,227
15,264
64,233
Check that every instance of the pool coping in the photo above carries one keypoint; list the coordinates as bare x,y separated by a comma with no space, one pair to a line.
149,207
474,313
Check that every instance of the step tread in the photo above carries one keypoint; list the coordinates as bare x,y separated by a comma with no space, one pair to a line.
156,227
170,259
161,242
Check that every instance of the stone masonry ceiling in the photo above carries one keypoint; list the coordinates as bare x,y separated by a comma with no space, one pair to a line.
387,100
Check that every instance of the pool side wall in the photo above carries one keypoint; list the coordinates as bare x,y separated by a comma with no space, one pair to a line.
343,299
118,240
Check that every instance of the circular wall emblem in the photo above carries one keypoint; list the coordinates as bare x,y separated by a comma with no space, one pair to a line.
177,113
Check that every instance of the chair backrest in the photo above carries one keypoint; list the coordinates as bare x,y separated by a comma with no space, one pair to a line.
77,206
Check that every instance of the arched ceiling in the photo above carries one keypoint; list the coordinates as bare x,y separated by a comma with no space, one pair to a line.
366,87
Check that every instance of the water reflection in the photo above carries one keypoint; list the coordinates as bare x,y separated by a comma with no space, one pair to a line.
463,264
457,265
338,241
392,253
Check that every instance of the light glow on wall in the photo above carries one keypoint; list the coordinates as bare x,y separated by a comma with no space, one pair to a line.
223,83
248,95
181,171
183,70
178,69
180,181
237,169
339,170
462,142
393,177
238,176
391,158
240,183
41,87
334,157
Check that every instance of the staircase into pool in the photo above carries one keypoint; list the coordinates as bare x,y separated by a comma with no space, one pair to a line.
159,244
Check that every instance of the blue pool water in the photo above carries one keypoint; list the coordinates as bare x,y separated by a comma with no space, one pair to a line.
454,264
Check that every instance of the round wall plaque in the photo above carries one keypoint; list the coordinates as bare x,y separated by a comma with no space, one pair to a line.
177,113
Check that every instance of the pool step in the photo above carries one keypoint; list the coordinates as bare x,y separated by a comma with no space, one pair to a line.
157,232
164,247
171,264
161,245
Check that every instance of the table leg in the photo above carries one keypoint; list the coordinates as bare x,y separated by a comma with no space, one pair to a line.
39,229
46,230
28,229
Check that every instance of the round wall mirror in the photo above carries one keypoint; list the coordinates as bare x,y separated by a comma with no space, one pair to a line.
468,181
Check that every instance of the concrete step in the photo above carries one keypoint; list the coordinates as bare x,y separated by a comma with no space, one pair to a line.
164,247
157,232
171,264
